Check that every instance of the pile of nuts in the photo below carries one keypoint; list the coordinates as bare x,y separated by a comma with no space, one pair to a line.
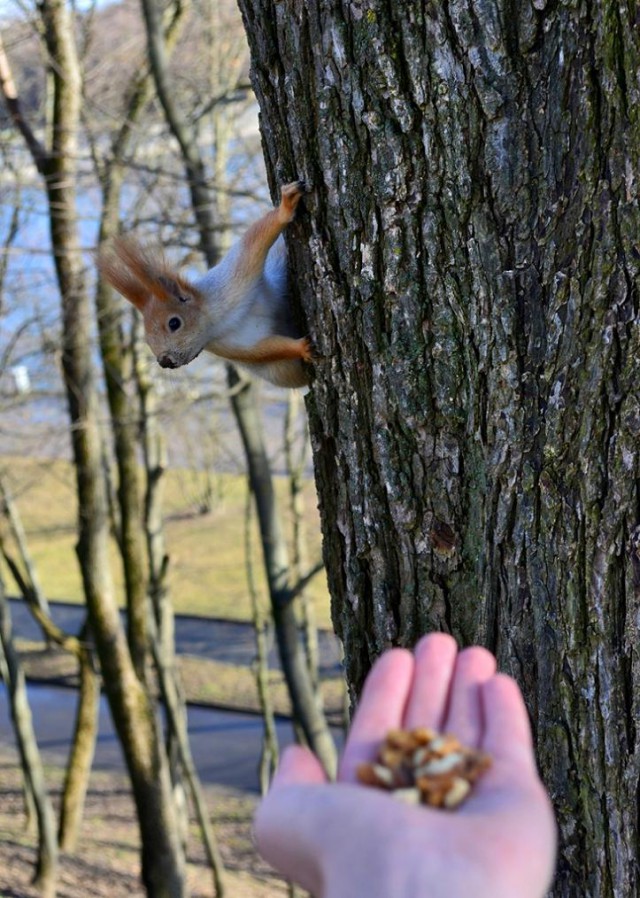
423,766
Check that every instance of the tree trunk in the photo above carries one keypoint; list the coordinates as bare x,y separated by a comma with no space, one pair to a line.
306,708
295,445
270,747
163,625
33,771
469,271
76,781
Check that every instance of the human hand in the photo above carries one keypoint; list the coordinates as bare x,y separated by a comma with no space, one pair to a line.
345,840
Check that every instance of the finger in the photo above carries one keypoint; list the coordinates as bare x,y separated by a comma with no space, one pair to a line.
435,658
277,826
286,833
507,733
298,765
381,708
464,717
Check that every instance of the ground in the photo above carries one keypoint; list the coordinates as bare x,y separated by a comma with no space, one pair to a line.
207,571
207,564
106,861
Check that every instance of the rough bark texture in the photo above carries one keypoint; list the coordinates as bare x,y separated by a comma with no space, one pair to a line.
468,267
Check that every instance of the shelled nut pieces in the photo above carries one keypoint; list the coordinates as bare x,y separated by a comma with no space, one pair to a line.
422,766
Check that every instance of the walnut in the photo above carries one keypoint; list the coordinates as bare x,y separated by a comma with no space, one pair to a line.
421,766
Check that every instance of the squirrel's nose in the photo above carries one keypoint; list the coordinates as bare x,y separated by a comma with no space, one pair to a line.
165,361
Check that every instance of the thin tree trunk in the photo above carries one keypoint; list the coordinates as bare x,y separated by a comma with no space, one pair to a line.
270,748
305,707
176,711
294,466
469,270
13,677
247,417
202,200
117,359
162,620
131,705
80,760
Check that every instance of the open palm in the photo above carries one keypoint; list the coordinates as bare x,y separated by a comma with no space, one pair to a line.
344,840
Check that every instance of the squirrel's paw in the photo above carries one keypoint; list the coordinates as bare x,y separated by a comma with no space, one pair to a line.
308,352
291,194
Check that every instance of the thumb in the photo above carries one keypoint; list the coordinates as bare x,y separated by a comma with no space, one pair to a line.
285,835
298,765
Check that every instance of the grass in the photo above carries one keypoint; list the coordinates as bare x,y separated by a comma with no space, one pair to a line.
207,577
204,681
207,574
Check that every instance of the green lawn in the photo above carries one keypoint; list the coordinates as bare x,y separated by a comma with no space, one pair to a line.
207,569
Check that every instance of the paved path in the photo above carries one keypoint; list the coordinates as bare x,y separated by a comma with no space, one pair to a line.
225,745
221,640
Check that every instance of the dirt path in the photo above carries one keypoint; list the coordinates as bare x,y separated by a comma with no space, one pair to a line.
106,862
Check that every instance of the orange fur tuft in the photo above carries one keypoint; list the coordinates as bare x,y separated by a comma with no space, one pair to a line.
135,272
114,270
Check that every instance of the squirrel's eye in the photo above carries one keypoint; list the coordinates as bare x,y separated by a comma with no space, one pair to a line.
174,324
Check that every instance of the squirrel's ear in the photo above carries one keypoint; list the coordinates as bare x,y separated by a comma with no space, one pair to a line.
137,273
175,286
122,281
121,263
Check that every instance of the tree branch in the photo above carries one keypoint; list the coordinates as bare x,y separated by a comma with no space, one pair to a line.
303,582
7,86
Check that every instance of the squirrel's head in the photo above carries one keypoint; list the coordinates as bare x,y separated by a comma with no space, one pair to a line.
172,308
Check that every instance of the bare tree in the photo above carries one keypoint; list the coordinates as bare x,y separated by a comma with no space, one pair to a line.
131,704
13,677
246,413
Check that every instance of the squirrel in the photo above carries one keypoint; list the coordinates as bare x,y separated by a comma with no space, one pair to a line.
239,310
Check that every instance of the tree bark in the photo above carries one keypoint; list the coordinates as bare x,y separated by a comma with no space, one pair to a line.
469,271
